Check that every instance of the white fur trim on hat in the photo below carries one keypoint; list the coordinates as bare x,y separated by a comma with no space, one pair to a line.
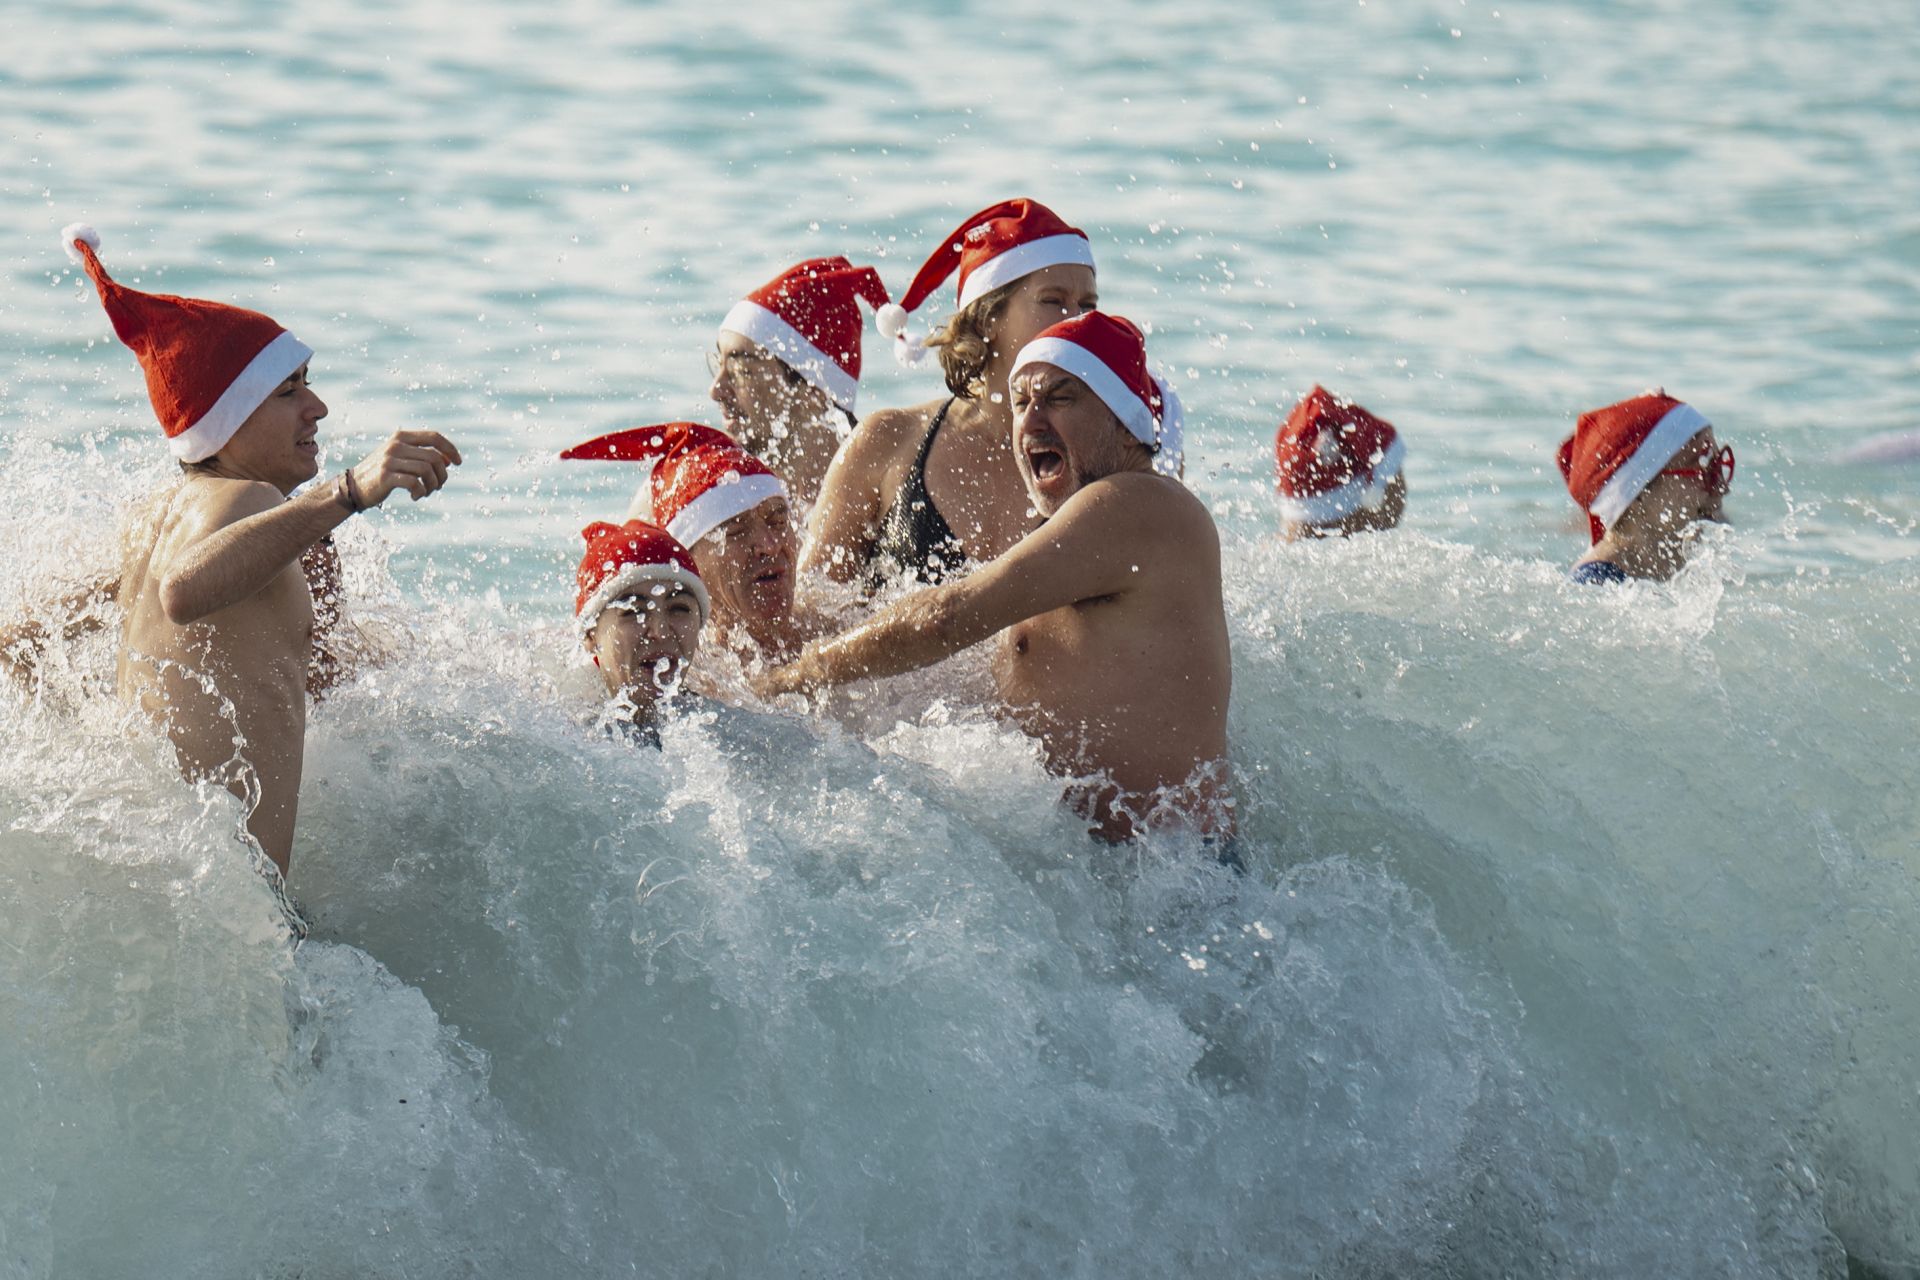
1024,260
757,324
722,503
1338,504
1134,413
1670,435
1170,459
81,232
632,576
274,365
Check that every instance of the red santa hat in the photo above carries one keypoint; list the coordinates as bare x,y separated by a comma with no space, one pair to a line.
1331,458
1615,452
622,558
1109,354
208,365
995,246
809,316
701,479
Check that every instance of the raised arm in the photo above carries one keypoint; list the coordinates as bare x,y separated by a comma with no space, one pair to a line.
251,533
1093,546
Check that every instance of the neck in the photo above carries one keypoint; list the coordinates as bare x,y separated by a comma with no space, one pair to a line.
999,411
219,467
804,453
1640,553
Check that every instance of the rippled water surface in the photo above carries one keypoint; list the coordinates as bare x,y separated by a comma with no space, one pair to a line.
1579,935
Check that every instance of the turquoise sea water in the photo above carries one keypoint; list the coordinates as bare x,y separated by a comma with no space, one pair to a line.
1579,936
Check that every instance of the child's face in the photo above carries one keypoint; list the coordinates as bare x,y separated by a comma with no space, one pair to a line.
644,638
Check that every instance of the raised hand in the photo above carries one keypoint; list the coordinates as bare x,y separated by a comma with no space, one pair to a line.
416,461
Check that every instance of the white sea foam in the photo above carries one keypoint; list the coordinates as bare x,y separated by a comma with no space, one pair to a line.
1578,935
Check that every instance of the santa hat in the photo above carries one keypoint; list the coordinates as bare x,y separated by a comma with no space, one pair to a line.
208,365
1331,458
621,558
701,479
996,246
809,316
1110,355
1615,453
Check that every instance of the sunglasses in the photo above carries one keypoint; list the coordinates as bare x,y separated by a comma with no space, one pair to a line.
1715,470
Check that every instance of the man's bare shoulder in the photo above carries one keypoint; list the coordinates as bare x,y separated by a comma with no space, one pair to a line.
215,501
1150,504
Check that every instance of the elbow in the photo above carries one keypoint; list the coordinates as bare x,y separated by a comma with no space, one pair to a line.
177,602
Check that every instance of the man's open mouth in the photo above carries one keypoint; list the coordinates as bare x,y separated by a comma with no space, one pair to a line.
771,576
1045,463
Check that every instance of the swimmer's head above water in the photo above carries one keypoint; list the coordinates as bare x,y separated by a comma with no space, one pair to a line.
1338,469
787,360
639,609
1647,471
227,384
1018,267
725,506
1085,406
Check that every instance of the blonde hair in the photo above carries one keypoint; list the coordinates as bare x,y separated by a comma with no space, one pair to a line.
964,348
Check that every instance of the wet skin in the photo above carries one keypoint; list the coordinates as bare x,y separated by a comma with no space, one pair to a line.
219,618
775,414
1653,536
641,642
748,565
1112,637
969,475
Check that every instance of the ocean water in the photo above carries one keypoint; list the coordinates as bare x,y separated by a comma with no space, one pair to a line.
1578,938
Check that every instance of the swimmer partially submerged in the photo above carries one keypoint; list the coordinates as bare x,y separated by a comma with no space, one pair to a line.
219,618
1112,635
1338,469
1647,472
640,608
733,515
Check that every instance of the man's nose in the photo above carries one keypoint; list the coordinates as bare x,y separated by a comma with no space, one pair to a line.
720,390
318,409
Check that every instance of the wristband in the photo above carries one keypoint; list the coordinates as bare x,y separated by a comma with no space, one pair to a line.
347,495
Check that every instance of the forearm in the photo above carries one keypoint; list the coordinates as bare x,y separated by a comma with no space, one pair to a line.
233,563
910,634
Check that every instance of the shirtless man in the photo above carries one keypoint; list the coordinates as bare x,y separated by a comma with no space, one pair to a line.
931,489
1112,632
1643,510
218,617
786,367
733,515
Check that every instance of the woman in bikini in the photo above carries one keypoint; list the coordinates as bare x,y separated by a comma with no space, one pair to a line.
931,489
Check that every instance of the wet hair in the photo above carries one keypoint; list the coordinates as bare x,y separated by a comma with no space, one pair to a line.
963,345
